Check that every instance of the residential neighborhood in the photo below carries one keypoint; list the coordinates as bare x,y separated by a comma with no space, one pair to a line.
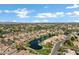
25,38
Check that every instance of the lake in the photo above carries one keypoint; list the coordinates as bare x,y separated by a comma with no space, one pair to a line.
34,44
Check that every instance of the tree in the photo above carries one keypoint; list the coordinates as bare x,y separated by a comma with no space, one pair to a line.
68,43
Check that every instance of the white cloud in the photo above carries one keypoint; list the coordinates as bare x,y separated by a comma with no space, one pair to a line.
14,21
40,21
73,13
21,13
0,11
73,6
68,13
76,13
7,11
45,15
50,15
61,14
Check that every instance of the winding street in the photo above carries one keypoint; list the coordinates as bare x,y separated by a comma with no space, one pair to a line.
57,46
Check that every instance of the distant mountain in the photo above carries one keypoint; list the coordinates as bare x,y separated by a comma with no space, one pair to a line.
39,23
9,22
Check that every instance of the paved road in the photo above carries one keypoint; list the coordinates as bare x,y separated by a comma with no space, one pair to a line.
57,46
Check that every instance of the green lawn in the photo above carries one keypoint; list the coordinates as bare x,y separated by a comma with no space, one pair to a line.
45,50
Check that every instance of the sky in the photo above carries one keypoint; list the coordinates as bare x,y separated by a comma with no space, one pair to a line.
39,13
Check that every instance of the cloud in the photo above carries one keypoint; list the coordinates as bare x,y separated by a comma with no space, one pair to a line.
45,15
61,14
40,21
73,13
21,12
76,13
14,21
50,15
7,11
0,11
68,13
73,6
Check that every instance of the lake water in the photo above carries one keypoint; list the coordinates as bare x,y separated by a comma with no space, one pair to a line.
35,43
